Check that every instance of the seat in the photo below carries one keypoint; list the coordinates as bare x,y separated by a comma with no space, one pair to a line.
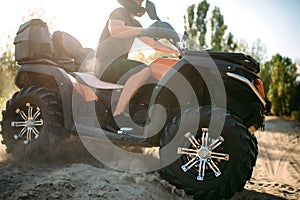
66,46
92,81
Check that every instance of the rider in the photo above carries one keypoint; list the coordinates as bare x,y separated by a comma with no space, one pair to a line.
115,43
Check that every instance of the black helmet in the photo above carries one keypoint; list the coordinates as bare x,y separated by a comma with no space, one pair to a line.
133,7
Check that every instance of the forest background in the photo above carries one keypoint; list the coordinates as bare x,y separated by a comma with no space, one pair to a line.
206,26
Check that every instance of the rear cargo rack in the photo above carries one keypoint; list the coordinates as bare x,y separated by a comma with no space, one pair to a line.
38,61
236,58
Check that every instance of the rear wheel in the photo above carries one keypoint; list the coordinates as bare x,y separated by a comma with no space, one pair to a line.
209,168
32,124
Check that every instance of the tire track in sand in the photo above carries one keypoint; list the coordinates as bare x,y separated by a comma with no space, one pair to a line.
279,149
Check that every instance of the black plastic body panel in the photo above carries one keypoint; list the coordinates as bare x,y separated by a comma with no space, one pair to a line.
234,58
207,75
53,78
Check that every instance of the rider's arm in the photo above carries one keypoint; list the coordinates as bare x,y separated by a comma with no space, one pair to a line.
158,46
117,28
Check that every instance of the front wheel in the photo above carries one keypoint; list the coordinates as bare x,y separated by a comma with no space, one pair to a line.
32,124
208,168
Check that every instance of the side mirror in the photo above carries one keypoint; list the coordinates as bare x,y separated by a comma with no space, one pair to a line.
151,10
185,36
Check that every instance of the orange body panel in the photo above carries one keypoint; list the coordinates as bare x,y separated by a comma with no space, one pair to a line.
161,66
86,92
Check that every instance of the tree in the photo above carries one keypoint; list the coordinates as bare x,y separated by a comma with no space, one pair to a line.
196,26
201,22
258,51
8,68
230,45
265,75
189,22
39,12
243,46
282,90
196,23
8,65
218,30
140,56
296,103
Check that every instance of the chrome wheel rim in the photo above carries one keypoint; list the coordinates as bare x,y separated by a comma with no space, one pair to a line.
29,124
202,156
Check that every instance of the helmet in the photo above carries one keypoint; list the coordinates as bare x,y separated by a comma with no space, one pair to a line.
133,7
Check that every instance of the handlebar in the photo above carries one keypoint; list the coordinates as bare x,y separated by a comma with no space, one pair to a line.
160,30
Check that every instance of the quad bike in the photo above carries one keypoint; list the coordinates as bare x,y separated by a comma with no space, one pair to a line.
201,109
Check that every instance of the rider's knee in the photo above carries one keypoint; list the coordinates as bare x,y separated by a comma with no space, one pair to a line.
146,72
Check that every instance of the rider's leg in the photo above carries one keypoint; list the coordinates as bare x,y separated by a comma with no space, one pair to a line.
130,87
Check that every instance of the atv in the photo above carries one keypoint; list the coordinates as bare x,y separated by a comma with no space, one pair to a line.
201,109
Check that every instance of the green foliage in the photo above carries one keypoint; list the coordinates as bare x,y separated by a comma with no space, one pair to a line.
191,16
265,75
196,23
295,115
282,89
8,65
201,22
196,27
258,51
218,29
295,104
230,45
243,46
8,68
140,56
39,12
279,75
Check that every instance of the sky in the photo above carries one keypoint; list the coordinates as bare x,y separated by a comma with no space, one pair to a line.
275,22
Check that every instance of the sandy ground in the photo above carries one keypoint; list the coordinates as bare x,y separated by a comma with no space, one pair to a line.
276,175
